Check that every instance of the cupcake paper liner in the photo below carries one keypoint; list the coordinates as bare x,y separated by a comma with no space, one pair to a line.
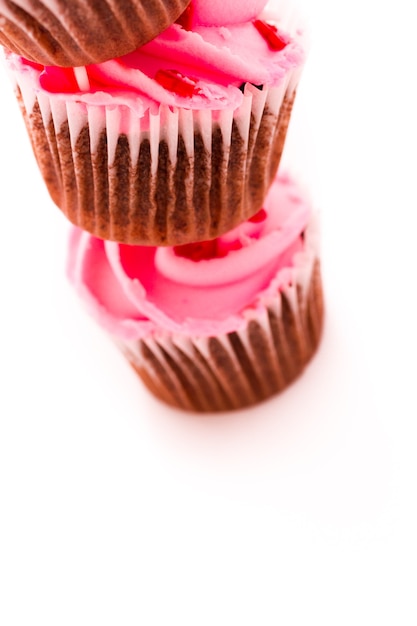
172,177
241,368
80,32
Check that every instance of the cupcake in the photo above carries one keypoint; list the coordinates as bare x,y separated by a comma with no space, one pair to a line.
173,143
79,32
215,325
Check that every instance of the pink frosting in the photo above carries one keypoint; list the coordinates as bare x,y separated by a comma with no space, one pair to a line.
136,290
220,12
215,60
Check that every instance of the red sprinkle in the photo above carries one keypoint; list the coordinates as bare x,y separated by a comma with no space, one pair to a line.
260,216
197,251
58,80
177,82
204,250
270,33
186,18
37,66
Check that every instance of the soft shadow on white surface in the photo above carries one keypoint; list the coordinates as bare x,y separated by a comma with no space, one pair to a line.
116,509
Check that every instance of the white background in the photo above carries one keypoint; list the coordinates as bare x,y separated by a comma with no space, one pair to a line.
117,510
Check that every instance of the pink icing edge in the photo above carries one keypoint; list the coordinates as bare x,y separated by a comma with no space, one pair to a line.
219,12
268,68
127,328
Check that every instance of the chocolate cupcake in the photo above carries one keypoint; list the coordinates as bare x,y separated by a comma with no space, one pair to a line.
217,325
80,32
173,143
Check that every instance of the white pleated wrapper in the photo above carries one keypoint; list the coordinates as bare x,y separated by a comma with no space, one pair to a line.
186,175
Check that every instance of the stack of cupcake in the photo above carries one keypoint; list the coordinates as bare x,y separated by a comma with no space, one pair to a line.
158,127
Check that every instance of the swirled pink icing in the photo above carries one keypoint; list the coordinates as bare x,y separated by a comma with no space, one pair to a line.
216,60
200,289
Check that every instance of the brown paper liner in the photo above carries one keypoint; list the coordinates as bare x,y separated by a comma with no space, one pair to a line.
81,32
238,369
191,177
